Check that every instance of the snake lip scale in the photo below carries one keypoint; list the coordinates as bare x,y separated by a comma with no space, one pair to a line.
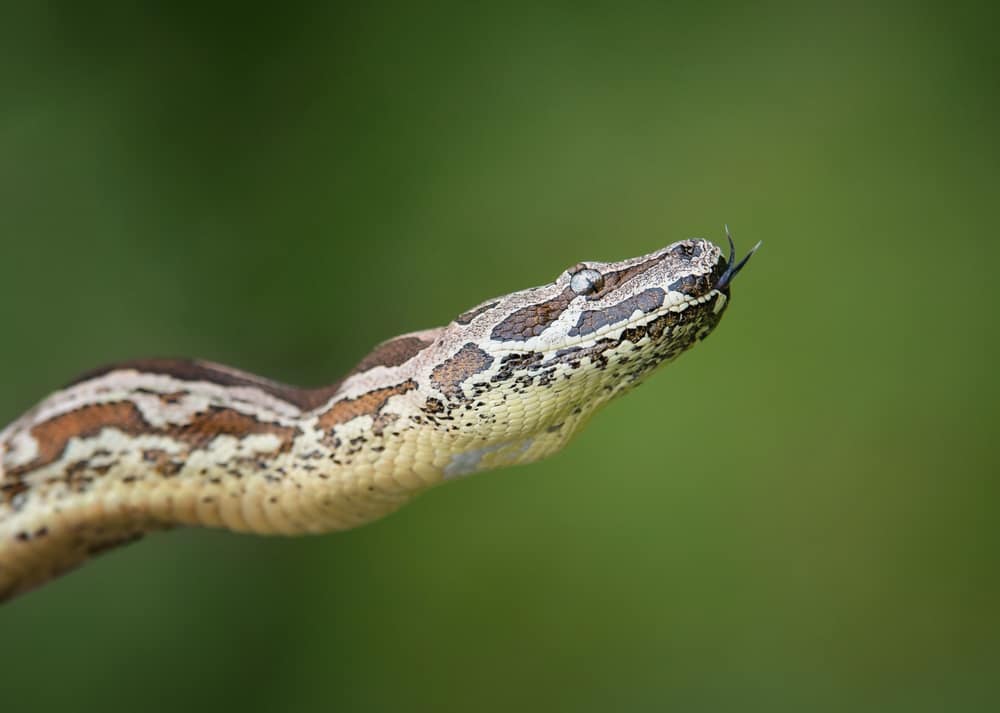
149,445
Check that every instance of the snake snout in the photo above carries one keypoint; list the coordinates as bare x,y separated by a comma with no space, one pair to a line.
732,267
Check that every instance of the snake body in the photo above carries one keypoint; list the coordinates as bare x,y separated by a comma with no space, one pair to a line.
149,445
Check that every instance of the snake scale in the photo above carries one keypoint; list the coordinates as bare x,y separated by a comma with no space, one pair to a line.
149,445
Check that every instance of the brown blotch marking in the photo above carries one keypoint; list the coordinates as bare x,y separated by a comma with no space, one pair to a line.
468,361
53,435
511,363
367,404
392,353
467,317
532,320
206,426
592,320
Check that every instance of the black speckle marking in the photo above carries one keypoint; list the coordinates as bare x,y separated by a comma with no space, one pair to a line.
12,490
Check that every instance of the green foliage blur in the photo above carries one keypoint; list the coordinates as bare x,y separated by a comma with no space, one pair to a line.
800,515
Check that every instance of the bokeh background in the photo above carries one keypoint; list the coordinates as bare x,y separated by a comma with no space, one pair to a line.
800,515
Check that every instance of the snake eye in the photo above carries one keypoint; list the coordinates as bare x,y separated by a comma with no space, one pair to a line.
586,281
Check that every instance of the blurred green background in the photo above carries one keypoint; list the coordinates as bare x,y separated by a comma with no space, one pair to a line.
800,515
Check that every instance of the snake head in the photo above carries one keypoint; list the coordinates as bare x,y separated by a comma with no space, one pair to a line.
636,313
539,362
687,283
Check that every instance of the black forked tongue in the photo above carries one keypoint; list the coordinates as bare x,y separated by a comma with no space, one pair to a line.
733,267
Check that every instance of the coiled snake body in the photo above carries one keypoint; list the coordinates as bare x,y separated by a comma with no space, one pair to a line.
149,445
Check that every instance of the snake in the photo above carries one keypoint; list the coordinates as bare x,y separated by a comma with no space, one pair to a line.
149,445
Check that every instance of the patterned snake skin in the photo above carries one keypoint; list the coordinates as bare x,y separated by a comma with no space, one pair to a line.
149,445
